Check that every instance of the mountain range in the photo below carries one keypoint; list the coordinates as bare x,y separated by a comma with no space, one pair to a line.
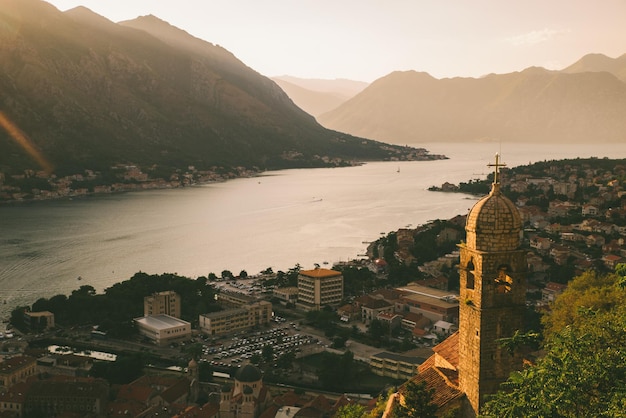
583,103
82,92
318,96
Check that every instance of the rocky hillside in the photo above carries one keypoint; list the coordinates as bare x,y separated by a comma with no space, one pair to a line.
584,103
78,91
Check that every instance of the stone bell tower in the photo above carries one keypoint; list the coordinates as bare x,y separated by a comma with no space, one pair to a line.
492,294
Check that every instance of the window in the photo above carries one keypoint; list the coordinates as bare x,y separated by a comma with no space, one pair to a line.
469,283
503,281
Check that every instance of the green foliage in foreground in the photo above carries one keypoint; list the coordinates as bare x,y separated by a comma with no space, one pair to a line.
351,411
583,373
416,402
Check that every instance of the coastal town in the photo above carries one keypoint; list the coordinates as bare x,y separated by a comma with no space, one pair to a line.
35,185
241,346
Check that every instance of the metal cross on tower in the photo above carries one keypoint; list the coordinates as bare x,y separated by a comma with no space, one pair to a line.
497,166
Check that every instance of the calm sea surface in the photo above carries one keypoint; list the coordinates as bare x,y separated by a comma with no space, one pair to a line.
276,220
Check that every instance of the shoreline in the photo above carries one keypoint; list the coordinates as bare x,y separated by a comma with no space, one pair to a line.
185,180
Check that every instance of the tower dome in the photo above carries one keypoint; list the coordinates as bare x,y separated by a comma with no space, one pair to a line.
494,223
248,374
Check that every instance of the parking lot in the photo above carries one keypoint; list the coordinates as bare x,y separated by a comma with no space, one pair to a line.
239,349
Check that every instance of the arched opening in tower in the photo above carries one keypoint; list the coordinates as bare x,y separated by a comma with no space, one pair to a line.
469,283
504,282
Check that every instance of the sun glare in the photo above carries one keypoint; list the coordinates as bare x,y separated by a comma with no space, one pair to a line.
23,141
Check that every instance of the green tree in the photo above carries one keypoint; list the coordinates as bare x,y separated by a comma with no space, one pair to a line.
206,372
256,359
589,290
194,350
381,404
285,362
415,401
350,411
583,373
337,371
378,331
620,270
267,353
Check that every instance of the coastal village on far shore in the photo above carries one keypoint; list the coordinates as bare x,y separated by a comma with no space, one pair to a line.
564,218
35,185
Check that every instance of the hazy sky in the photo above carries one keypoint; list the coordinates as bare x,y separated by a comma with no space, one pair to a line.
367,39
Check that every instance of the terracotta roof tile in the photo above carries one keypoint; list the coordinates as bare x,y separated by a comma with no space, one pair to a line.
377,304
138,393
270,412
175,392
439,381
320,273
320,403
449,349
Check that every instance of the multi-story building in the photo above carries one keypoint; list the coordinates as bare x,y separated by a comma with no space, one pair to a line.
393,365
434,304
163,329
80,397
374,307
318,288
162,303
286,294
236,319
230,299
38,321
17,369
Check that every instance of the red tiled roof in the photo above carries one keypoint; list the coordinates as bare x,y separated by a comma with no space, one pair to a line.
321,403
377,304
342,401
449,349
319,273
16,393
290,398
556,286
137,393
119,407
270,412
418,332
430,362
309,412
388,294
155,381
387,315
175,392
412,316
15,363
442,383
194,411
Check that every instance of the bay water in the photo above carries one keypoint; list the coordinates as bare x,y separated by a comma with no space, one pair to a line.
278,219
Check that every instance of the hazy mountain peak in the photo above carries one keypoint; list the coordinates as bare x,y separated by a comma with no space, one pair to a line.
92,94
87,16
532,105
535,70
599,63
175,36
